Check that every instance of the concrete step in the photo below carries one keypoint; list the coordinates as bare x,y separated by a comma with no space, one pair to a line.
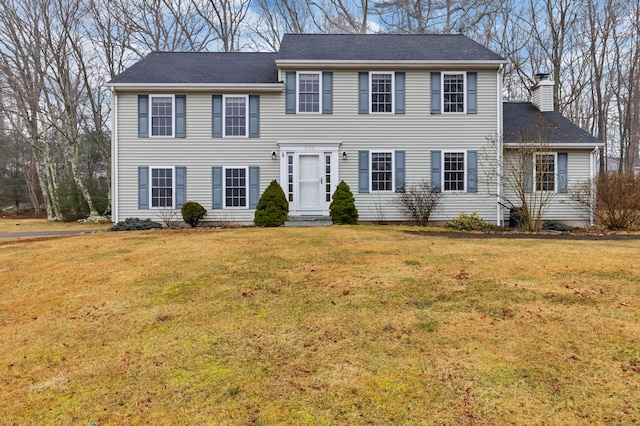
308,221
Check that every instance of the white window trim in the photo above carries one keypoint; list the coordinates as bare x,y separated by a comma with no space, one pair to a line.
224,117
393,169
393,92
466,165
173,115
224,188
464,76
319,73
173,187
555,172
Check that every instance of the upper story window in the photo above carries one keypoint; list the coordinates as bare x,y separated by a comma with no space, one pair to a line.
454,171
453,92
235,116
162,187
382,171
161,115
545,171
309,89
381,89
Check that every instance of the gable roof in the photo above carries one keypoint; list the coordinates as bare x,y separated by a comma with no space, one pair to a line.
201,68
383,47
523,118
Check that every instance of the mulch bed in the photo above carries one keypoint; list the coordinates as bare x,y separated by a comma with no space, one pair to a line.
567,236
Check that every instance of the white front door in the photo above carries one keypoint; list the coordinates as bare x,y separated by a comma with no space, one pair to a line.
309,182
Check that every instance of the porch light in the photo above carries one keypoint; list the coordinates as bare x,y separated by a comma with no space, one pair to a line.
273,155
344,155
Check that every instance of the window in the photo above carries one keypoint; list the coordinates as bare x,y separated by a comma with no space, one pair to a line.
545,172
453,171
327,177
381,92
453,92
382,171
235,187
161,115
309,92
162,187
235,116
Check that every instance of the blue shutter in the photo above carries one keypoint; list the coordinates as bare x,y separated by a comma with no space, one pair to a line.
254,116
436,98
216,116
436,172
563,165
527,164
181,116
181,186
216,184
254,186
290,92
327,92
143,187
363,171
472,171
472,93
143,116
400,171
400,92
363,93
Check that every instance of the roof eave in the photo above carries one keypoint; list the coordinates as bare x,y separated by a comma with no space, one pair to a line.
195,87
383,64
553,145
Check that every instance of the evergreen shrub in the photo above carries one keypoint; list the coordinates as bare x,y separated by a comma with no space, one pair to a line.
343,205
135,224
192,213
471,222
273,207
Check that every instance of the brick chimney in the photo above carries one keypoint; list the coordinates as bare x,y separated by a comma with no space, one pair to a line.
542,93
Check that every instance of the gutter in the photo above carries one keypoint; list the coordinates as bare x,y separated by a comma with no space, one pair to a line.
577,145
114,158
386,64
277,87
499,149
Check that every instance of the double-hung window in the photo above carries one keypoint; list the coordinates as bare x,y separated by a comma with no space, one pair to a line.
309,90
382,171
454,171
162,187
382,91
162,115
453,92
235,116
545,171
235,187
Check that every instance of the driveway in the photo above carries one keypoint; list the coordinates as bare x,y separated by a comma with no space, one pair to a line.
41,234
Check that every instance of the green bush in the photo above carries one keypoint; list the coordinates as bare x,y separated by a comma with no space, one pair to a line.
553,225
471,222
343,205
192,213
273,207
135,224
73,205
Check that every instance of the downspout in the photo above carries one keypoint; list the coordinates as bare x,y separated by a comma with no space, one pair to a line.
499,127
114,158
592,175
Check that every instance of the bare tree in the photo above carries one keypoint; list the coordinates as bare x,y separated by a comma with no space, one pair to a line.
225,18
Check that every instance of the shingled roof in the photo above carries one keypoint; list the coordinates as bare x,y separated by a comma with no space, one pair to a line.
201,68
384,47
523,118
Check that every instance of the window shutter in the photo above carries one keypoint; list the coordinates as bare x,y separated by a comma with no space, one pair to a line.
143,187
363,171
290,90
563,165
400,170
472,93
143,116
436,98
181,116
254,116
216,184
181,186
436,174
400,93
254,186
363,93
527,164
216,116
472,171
327,92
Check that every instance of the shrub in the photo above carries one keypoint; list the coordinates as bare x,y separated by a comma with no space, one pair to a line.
552,225
135,224
273,207
471,222
343,205
192,213
419,201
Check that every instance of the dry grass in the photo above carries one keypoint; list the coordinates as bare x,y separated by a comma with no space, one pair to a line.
340,325
42,225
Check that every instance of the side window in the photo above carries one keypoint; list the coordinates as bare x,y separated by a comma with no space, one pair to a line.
545,171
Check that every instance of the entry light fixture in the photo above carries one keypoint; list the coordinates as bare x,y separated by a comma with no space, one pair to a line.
273,155
344,155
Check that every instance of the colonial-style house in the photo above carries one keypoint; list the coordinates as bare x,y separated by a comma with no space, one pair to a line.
379,111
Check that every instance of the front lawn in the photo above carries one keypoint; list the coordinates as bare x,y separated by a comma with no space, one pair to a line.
338,325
